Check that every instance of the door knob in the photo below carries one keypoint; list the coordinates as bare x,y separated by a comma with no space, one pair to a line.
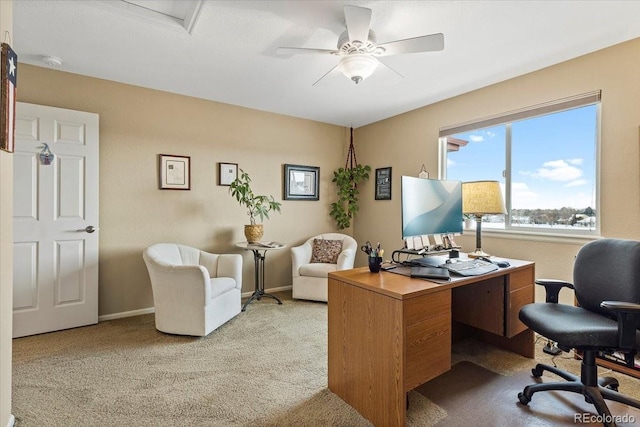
90,229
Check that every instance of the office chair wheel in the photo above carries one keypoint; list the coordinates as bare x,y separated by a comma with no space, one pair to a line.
537,372
523,398
613,387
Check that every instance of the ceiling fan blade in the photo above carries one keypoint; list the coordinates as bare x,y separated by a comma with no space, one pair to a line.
428,43
334,70
391,73
358,20
303,50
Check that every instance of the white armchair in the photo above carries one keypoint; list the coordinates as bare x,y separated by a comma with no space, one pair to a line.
310,280
194,292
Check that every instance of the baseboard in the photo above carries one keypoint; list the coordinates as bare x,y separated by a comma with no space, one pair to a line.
126,314
152,309
270,290
12,421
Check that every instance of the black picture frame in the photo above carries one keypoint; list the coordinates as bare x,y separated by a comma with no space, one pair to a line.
383,183
175,172
301,182
227,173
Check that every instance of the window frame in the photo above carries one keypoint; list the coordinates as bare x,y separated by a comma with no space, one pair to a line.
507,119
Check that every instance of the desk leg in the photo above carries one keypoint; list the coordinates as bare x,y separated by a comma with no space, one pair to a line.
258,267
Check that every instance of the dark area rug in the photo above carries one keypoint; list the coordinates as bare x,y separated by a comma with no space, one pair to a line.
473,395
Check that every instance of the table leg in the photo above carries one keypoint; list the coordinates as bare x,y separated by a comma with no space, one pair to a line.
258,267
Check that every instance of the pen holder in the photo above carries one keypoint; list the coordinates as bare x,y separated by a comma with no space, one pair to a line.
374,264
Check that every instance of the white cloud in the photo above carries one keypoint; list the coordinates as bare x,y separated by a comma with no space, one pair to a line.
524,197
476,138
576,161
576,183
558,170
522,194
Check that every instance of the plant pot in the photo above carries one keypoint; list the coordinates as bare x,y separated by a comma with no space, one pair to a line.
253,232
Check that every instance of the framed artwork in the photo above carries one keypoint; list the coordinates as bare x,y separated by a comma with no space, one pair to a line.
227,173
383,183
175,172
8,76
301,182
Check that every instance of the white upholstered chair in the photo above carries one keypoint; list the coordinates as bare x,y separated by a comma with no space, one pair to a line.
194,292
310,279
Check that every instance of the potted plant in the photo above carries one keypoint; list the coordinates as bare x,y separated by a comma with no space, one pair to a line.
347,180
257,206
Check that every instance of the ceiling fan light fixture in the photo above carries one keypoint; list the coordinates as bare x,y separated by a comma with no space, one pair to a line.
358,67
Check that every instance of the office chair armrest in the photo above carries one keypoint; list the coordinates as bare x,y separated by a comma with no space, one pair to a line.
628,315
552,288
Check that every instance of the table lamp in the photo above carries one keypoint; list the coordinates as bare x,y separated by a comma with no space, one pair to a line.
481,198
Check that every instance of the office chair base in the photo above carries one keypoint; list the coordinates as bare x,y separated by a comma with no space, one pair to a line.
608,382
595,390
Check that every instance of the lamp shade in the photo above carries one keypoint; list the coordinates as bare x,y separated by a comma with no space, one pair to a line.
358,67
482,197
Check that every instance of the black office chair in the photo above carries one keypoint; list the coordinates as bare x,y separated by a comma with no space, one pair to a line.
606,281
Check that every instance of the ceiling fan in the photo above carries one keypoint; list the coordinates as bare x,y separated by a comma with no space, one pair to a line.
358,49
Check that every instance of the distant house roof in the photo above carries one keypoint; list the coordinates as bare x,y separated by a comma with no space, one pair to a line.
454,144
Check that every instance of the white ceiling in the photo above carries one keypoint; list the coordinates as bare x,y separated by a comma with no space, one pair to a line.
226,50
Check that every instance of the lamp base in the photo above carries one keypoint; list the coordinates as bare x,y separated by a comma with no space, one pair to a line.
478,253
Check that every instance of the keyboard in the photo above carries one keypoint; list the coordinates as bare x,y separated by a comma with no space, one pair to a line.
472,267
423,262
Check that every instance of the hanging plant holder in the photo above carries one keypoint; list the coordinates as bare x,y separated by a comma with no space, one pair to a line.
347,180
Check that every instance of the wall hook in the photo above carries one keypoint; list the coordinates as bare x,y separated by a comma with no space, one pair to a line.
423,173
46,156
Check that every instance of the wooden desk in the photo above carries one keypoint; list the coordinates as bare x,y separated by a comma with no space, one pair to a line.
390,333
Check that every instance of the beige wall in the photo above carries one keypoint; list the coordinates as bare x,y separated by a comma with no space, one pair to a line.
6,253
407,141
136,125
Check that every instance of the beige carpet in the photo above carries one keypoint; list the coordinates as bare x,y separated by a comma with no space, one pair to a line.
266,367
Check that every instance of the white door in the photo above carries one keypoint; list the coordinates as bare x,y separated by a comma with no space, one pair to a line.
55,209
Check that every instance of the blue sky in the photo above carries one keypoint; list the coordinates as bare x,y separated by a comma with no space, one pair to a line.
553,159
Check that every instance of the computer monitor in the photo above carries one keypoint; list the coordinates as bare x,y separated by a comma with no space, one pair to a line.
430,206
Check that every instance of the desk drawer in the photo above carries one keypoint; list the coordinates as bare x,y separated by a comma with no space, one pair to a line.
518,299
427,306
520,279
428,350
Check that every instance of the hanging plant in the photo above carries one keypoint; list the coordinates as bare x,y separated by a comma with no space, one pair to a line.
347,180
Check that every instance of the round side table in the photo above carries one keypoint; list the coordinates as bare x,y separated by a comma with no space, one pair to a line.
259,254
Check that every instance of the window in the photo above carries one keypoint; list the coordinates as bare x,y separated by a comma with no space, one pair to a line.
545,159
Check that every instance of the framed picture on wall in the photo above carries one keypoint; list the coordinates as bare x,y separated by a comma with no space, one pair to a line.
227,173
301,182
175,172
8,74
383,183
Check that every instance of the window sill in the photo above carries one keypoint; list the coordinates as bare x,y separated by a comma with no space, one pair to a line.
533,236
